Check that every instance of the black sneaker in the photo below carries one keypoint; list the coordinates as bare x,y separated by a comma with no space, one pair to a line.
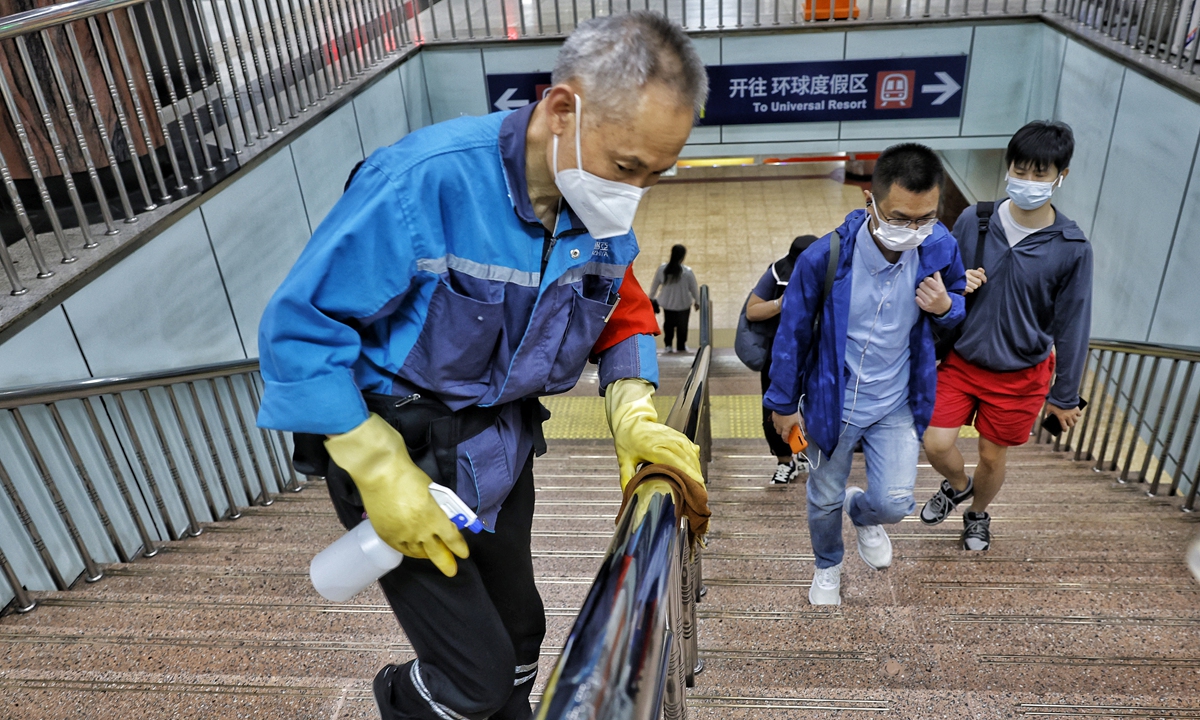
946,499
977,533
784,472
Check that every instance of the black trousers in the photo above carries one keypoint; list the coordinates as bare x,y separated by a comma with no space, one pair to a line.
779,446
675,322
477,635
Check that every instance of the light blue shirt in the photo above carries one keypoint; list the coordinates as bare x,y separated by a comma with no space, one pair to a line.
883,311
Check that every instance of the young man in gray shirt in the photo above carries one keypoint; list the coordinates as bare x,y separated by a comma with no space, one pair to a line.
1028,323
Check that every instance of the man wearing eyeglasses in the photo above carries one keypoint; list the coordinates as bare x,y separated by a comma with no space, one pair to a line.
869,372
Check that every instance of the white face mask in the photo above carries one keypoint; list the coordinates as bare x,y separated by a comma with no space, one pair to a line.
899,239
606,207
1031,194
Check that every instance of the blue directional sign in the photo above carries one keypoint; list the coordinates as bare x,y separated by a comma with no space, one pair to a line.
878,89
881,89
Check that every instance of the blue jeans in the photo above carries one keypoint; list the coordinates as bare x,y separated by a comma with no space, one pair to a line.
891,448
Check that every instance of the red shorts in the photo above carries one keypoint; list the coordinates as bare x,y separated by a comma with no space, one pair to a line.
1003,406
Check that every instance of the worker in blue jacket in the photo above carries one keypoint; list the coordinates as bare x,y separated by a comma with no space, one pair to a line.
469,269
871,373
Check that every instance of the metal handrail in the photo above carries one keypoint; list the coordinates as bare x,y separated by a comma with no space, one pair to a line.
38,19
108,440
1138,423
77,389
633,647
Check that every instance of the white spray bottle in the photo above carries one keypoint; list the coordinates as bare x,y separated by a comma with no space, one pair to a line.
360,557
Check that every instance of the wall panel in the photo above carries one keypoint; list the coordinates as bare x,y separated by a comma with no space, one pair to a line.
164,306
1089,91
258,228
44,352
1140,200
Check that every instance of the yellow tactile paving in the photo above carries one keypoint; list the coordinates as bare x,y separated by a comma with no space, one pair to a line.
733,417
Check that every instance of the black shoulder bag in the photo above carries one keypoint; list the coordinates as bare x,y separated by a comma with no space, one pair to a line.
754,339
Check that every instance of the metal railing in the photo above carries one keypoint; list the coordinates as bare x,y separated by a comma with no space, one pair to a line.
1160,29
113,108
103,470
1141,420
633,648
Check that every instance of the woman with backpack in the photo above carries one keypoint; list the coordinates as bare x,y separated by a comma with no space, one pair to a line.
763,307
679,294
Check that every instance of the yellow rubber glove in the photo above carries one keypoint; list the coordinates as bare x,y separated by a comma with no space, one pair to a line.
640,437
395,494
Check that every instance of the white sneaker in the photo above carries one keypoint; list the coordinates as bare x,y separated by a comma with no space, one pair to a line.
826,588
874,547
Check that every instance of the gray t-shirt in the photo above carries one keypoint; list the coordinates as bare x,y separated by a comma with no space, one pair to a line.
679,294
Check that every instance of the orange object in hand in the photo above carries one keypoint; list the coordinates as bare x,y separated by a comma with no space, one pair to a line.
797,440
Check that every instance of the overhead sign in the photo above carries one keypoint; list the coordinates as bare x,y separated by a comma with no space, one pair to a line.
880,89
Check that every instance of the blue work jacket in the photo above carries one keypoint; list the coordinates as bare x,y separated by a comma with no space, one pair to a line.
427,277
820,378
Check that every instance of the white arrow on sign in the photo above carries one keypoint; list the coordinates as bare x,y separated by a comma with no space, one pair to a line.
507,103
947,88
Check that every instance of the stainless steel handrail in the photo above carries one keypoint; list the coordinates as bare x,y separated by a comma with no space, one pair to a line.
1142,416
76,389
108,440
633,648
38,19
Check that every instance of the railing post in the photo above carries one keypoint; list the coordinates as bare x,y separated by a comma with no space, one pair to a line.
1162,411
1174,424
173,469
140,453
1137,423
191,451
1112,412
1187,446
674,695
232,513
149,548
1124,426
1094,404
92,571
31,530
22,602
230,441
86,478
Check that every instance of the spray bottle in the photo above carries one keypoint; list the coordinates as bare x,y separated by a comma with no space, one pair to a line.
360,557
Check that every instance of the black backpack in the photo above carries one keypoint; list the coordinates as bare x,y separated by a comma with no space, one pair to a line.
944,340
754,338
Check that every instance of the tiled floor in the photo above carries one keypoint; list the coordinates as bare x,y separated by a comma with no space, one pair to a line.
737,221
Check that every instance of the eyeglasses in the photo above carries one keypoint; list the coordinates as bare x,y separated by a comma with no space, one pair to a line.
916,224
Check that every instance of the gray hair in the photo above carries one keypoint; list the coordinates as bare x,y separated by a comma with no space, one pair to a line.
615,56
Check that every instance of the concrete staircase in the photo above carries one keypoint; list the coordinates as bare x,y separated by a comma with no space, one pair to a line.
1083,608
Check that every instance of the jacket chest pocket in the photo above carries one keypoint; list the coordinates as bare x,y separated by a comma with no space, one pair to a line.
457,342
587,319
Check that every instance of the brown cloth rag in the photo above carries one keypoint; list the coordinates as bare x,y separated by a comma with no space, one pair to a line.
694,495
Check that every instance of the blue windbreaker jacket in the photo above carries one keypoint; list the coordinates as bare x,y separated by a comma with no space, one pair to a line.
426,277
821,377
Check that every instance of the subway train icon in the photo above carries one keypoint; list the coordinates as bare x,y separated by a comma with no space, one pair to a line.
894,89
